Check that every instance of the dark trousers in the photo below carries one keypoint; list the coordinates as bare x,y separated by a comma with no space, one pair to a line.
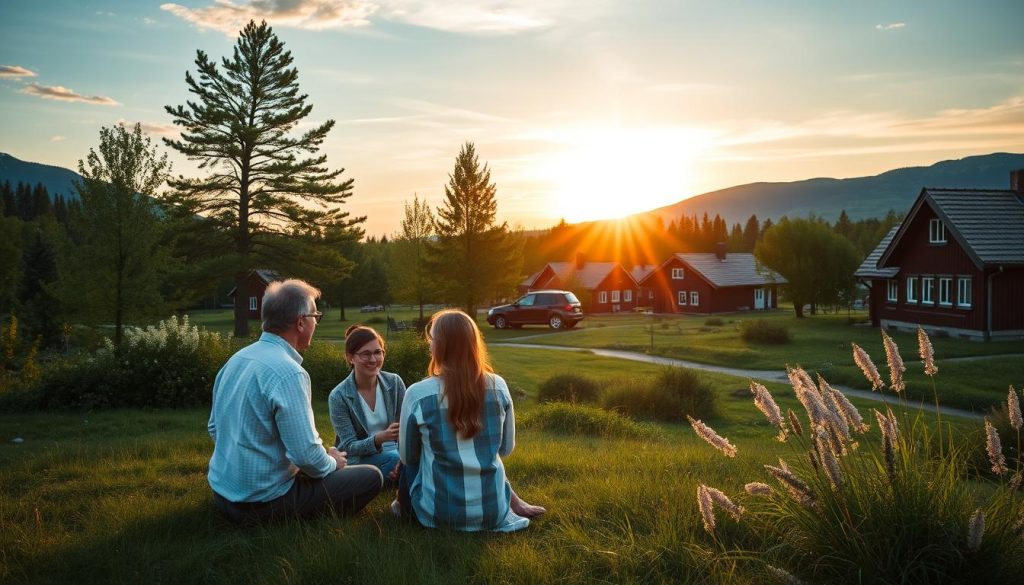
343,492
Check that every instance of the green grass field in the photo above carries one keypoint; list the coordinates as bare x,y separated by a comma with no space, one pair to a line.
121,496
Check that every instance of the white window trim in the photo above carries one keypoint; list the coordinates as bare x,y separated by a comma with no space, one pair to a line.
694,298
682,298
615,296
960,290
253,303
927,290
948,289
602,297
893,294
936,232
912,289
677,274
650,293
627,296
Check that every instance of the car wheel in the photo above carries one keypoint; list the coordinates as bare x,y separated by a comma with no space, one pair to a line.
555,321
501,322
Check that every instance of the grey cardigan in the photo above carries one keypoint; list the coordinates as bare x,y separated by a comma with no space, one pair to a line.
347,415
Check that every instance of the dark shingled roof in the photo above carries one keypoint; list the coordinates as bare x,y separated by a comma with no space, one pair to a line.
738,269
989,223
869,268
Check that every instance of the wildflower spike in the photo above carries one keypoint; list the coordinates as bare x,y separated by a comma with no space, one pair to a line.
927,353
994,446
895,362
863,361
708,434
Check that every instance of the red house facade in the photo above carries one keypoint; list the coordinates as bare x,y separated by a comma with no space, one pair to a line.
256,286
711,283
955,265
602,287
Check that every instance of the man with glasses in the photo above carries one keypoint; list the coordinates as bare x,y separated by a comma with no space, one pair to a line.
268,460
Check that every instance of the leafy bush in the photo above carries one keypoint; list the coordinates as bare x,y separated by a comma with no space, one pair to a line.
579,419
671,396
408,356
568,388
325,363
375,320
170,364
714,322
764,331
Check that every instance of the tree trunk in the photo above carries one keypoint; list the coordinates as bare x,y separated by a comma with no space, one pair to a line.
798,307
241,305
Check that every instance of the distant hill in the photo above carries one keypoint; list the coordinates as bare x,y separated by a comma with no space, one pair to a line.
58,180
861,197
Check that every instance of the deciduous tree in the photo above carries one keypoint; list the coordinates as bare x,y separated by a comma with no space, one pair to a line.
412,279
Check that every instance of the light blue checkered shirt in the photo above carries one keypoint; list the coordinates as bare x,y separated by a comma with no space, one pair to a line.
262,424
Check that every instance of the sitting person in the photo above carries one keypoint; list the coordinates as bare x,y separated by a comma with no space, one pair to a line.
455,426
268,461
364,407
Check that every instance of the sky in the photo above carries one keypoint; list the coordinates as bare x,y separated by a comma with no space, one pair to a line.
582,110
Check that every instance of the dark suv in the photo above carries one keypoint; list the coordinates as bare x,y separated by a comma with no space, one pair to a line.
554,308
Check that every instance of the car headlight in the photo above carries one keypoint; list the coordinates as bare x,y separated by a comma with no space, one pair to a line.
490,312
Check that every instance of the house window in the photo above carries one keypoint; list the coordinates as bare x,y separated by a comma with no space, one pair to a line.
650,294
682,297
936,231
615,296
694,298
946,291
252,304
894,291
602,297
911,289
677,274
627,296
963,292
927,286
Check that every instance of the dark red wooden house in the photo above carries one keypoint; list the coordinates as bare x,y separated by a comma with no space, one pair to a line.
954,265
602,287
717,282
256,285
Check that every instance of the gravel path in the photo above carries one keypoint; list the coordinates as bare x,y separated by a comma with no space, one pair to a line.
763,375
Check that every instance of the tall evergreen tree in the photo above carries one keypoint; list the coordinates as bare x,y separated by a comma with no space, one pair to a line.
112,269
41,201
24,198
9,202
474,259
241,128
38,307
751,233
411,275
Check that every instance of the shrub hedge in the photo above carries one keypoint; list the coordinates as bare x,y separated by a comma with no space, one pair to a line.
764,331
568,388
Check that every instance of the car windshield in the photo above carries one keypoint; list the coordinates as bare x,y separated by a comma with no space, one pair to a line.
571,297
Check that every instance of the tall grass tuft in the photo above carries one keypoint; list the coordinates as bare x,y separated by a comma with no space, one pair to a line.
578,419
568,387
764,331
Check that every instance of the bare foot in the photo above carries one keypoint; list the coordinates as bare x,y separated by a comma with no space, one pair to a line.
525,510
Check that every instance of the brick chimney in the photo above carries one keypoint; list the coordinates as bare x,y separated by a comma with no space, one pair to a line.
1017,181
720,251
580,260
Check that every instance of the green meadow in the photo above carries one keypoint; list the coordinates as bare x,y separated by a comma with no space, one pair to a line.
121,496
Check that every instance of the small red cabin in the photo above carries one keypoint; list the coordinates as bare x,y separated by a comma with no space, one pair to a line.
602,287
256,285
711,283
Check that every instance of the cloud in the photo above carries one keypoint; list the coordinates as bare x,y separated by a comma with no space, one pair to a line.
229,18
891,26
56,92
57,138
148,21
15,71
154,128
459,16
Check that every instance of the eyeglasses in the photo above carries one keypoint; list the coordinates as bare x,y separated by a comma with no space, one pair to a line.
316,315
370,355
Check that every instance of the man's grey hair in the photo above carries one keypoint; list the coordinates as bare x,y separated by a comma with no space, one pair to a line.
285,301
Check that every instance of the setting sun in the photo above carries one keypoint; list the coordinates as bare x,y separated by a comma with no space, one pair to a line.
613,172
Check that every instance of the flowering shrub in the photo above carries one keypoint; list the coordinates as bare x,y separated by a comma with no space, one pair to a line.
898,503
170,364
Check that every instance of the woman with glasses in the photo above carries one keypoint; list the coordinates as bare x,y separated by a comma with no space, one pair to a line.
455,427
364,407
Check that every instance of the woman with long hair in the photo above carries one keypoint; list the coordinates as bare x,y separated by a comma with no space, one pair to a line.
454,428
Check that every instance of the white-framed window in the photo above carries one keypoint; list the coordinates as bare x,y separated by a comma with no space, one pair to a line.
945,291
650,294
682,297
627,296
911,289
677,274
615,296
602,297
963,292
936,231
252,304
694,298
927,290
894,290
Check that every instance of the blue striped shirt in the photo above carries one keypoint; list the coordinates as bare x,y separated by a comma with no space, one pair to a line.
460,483
262,425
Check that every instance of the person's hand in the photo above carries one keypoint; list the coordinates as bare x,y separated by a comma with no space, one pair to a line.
393,474
339,456
388,434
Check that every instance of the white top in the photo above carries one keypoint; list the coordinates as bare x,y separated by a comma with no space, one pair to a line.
377,419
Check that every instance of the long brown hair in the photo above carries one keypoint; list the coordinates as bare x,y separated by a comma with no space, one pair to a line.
458,355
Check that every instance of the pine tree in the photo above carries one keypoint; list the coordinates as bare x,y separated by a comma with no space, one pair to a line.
38,306
240,128
474,259
24,201
751,233
9,202
41,201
